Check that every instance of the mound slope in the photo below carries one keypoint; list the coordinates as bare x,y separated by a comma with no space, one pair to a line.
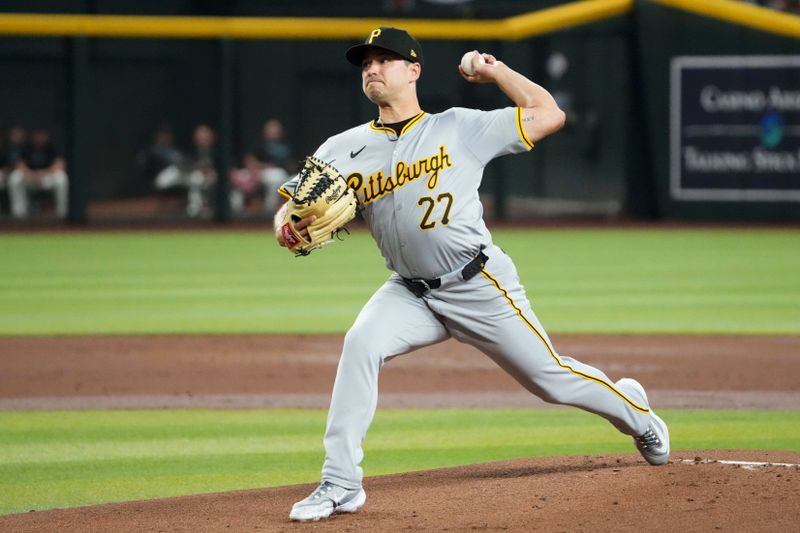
605,493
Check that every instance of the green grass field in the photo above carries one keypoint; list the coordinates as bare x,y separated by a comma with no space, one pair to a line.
606,281
66,459
727,281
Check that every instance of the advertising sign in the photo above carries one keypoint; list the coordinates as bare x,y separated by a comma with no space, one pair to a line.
735,128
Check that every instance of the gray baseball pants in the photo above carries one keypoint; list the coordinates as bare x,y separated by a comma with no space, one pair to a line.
489,311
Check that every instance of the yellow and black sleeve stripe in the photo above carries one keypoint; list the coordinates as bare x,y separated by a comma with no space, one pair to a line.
285,193
521,130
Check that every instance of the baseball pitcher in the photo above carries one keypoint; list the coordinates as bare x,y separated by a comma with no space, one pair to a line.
415,177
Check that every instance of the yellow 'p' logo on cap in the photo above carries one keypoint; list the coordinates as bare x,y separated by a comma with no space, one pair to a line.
374,34
413,53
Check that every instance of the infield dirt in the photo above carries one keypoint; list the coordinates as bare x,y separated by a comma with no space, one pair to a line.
619,493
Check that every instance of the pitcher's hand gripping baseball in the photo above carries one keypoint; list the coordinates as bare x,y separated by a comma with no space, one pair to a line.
323,192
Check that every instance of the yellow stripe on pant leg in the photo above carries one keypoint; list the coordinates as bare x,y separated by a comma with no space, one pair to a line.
553,355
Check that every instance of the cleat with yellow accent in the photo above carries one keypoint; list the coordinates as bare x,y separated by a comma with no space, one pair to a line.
653,444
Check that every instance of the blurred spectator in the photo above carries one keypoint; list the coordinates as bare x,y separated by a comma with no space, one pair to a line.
10,152
39,167
789,6
266,168
398,6
196,172
159,155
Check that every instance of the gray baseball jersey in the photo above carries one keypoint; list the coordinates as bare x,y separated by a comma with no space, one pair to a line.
420,191
420,198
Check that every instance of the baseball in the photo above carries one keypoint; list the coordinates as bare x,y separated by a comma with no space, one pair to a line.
466,62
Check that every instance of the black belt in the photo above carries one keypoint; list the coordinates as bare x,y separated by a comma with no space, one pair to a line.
420,286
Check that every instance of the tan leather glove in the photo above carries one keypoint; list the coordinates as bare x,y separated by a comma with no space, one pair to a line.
321,191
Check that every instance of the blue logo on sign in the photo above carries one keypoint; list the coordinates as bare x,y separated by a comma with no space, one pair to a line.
771,129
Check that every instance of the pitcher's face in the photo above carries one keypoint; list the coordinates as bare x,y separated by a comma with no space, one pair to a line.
386,76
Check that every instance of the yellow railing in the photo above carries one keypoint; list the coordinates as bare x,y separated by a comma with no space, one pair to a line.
741,13
518,27
513,28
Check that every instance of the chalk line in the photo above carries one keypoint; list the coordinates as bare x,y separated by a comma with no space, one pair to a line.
749,465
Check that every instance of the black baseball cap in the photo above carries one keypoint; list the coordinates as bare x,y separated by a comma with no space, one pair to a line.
394,40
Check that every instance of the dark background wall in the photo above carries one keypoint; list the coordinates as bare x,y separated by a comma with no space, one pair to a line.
291,8
665,33
611,77
137,84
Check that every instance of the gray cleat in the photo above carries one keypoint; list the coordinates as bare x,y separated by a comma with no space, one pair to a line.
653,444
326,500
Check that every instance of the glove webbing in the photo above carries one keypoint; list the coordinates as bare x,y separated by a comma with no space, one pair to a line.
323,183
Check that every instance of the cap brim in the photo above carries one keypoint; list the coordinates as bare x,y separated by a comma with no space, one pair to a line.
355,54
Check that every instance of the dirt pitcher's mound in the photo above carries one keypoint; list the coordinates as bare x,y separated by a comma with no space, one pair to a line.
697,491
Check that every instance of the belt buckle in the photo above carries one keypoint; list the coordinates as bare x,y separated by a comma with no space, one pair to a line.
424,284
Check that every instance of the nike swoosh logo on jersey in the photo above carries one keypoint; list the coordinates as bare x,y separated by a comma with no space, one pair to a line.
353,154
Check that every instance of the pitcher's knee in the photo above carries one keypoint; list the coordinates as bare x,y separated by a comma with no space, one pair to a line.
557,397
